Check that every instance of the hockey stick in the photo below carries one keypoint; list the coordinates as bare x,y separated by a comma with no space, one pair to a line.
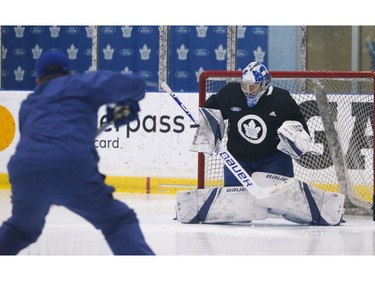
103,127
167,89
232,164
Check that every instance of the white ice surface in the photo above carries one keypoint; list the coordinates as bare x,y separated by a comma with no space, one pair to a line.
66,233
244,247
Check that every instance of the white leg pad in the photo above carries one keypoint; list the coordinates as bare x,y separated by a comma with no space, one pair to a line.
217,205
301,203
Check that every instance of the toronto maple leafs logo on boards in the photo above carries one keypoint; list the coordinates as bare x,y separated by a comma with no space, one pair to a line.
252,128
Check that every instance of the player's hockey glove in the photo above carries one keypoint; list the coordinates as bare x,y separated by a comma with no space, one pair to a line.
294,140
123,114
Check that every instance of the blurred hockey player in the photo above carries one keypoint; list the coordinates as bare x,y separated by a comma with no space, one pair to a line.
255,110
56,161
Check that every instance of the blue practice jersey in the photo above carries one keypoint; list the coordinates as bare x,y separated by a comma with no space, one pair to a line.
58,121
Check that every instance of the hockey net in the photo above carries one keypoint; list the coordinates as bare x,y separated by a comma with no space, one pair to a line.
338,108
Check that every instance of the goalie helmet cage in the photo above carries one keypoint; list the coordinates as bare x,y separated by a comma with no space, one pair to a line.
338,107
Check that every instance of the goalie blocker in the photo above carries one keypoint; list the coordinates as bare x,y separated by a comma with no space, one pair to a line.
296,201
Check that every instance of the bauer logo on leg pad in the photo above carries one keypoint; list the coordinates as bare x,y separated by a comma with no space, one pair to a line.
264,179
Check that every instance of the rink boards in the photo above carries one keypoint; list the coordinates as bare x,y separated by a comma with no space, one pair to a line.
149,155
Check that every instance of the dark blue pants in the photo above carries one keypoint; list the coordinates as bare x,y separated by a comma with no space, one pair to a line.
278,163
82,191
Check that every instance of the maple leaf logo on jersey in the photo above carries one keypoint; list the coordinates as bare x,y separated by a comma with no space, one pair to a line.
251,130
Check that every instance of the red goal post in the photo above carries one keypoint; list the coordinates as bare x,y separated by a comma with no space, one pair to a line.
339,109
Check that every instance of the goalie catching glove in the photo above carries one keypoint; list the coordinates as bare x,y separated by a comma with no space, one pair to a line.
294,140
122,114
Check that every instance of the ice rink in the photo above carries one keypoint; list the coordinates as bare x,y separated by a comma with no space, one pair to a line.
68,234
272,240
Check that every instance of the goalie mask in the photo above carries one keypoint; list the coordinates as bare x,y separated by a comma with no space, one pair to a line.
255,81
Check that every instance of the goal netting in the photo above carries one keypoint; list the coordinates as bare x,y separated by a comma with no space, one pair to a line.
339,110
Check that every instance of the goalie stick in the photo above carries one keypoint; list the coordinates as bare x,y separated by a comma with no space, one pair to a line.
232,164
168,90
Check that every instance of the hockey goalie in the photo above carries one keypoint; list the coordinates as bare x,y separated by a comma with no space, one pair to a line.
290,198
